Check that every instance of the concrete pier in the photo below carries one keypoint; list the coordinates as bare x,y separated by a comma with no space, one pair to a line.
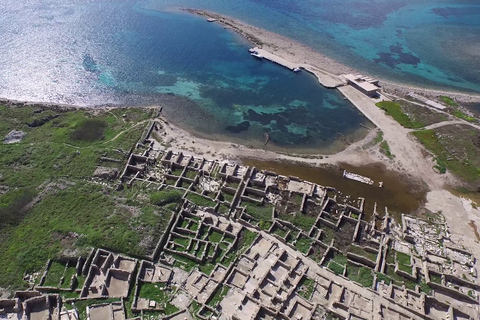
325,78
276,59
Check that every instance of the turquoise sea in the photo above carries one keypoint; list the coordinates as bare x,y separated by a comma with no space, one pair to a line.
131,52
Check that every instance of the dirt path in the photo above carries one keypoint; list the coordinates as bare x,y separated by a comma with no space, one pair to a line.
450,122
110,140
409,154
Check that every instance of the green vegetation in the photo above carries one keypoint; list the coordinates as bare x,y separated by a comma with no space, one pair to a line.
265,225
404,262
281,232
181,241
448,101
394,110
246,239
362,252
382,277
160,294
54,274
435,278
153,291
403,258
306,288
424,287
223,209
300,220
218,296
12,206
200,200
233,184
54,164
89,130
166,196
303,244
215,236
456,149
177,171
194,308
67,277
362,275
461,115
191,174
227,197
336,268
378,137
259,212
440,166
385,149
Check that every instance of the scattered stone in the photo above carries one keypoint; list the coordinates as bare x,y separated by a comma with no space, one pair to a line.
14,136
106,173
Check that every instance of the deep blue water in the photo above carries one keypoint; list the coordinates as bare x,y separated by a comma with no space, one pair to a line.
135,52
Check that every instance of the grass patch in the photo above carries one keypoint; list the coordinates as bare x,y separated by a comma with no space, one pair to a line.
362,252
361,275
455,148
382,277
201,200
215,237
89,130
218,296
306,287
385,149
336,268
436,278
259,212
181,241
154,291
461,115
279,231
56,159
394,110
300,220
71,270
378,137
54,274
448,101
227,197
191,174
166,196
303,244
265,225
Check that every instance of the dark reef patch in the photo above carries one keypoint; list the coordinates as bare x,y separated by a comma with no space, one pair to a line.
397,56
242,126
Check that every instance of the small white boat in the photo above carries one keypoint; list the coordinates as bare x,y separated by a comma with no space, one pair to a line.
297,69
357,177
257,55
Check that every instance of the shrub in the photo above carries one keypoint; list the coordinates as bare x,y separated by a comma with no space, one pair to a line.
167,196
89,130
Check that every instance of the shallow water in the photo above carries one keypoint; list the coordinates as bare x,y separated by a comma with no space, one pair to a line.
429,43
399,194
126,54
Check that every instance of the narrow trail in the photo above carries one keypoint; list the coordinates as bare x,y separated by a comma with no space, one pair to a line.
448,123
110,140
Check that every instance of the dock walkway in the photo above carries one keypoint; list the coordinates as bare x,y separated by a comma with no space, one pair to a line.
274,58
326,79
